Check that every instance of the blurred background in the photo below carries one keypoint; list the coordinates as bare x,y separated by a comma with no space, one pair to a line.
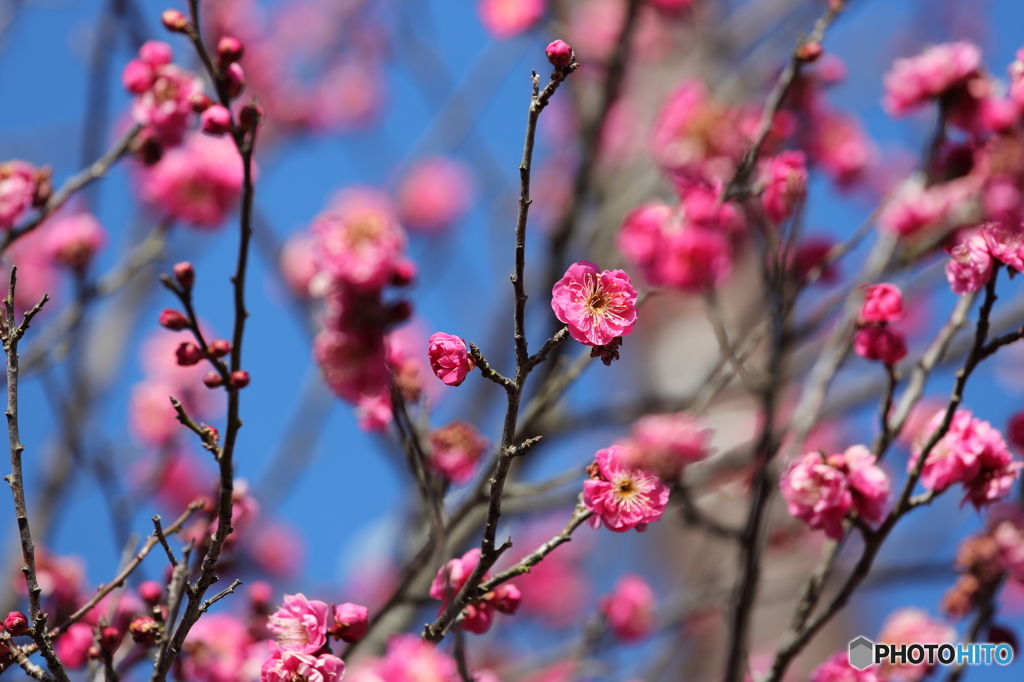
363,94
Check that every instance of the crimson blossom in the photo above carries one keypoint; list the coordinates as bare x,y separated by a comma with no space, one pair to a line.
597,306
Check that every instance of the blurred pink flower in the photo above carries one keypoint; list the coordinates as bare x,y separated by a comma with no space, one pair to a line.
277,548
218,649
881,343
298,263
597,306
410,659
358,242
19,183
970,264
785,184
198,183
838,669
73,646
73,240
915,80
882,303
629,609
434,194
665,443
350,622
620,497
509,18
455,450
908,626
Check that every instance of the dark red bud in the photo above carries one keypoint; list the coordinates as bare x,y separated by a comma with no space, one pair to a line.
220,348
16,623
239,378
172,319
212,380
151,592
229,50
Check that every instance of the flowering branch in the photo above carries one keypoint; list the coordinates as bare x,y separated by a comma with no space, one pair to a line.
73,184
489,552
11,333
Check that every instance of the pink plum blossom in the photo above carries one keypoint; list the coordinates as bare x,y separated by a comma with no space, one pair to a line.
867,481
915,80
300,624
286,665
358,241
478,615
665,443
455,450
19,185
838,669
73,646
620,497
410,659
1006,244
884,344
298,263
509,18
218,648
908,626
629,609
597,306
350,622
449,358
198,183
73,240
162,91
641,238
882,303
434,194
785,184
970,264
817,493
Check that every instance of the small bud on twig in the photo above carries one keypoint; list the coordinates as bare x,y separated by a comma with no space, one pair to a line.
559,54
229,51
16,623
173,320
185,274
213,380
174,21
239,379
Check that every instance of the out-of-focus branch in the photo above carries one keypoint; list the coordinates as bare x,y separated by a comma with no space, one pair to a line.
73,184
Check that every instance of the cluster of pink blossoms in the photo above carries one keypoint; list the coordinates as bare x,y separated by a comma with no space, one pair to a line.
301,652
972,453
478,615
360,251
821,491
163,93
876,339
408,659
621,497
974,252
629,609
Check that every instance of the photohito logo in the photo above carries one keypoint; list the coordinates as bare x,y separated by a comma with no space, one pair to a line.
865,653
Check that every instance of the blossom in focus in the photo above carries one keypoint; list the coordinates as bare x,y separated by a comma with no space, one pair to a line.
972,453
665,443
434,194
162,92
817,493
785,184
882,303
300,624
455,450
597,306
198,183
449,358
629,609
73,240
509,18
916,80
285,665
358,240
620,497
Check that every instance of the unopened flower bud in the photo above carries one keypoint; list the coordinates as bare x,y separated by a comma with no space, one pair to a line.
185,274
173,320
239,378
188,354
220,348
809,51
234,80
151,592
350,622
250,116
110,639
146,631
199,102
559,54
216,120
174,21
211,432
137,76
229,50
16,623
506,598
212,380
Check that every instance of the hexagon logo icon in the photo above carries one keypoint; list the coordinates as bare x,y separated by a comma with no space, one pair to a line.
862,652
